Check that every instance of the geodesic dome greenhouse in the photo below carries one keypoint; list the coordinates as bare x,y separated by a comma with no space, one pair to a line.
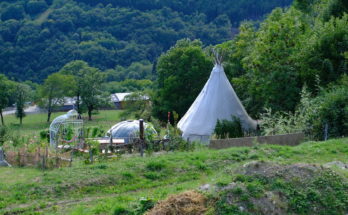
128,130
66,129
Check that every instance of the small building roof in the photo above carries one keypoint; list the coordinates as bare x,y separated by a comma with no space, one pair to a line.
120,97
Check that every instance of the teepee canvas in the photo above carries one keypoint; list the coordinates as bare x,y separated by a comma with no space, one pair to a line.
216,101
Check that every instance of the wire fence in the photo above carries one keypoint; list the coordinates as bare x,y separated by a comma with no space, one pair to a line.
41,158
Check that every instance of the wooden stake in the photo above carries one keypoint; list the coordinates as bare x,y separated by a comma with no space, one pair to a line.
141,128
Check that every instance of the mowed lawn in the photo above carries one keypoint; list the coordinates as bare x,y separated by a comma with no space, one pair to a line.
34,123
107,186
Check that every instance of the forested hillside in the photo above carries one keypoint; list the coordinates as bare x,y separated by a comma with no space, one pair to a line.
38,37
294,63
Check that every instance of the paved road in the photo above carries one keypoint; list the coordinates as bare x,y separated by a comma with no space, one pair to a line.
28,110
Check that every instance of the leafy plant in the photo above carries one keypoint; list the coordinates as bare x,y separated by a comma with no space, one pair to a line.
287,122
229,129
4,135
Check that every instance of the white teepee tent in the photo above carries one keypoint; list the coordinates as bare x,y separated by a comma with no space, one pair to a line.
216,101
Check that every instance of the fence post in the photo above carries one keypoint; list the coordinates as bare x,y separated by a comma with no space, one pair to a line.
44,163
19,158
141,128
71,158
38,157
326,131
57,159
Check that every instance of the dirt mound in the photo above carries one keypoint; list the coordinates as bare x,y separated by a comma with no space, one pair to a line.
286,172
190,203
269,188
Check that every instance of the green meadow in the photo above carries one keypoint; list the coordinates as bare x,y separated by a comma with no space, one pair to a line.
119,184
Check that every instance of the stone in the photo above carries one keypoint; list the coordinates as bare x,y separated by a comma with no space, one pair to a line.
338,164
205,187
3,162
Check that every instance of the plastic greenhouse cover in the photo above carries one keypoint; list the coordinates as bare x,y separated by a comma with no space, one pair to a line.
128,129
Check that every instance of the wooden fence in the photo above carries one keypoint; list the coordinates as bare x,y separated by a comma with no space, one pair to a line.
41,158
285,139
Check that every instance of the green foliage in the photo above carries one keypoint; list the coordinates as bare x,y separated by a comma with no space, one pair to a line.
287,122
22,95
325,193
121,211
138,105
313,114
129,85
271,65
33,7
88,86
15,11
45,136
54,90
4,135
323,54
135,71
123,184
7,89
182,72
39,37
228,129
155,166
292,48
93,132
333,111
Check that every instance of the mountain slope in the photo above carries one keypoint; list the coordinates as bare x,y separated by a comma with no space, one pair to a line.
38,37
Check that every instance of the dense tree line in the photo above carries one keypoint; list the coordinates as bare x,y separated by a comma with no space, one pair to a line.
38,37
269,64
292,48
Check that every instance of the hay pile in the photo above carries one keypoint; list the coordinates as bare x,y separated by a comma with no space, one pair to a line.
190,203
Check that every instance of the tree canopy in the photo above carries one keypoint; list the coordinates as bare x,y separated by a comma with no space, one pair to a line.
39,37
182,72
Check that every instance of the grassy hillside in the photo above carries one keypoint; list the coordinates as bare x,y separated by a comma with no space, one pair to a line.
120,184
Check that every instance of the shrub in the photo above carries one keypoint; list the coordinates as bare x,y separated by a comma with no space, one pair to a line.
152,175
329,108
4,136
121,211
333,111
287,122
45,135
229,129
155,166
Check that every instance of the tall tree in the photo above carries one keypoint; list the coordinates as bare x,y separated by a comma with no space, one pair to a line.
88,85
5,92
55,88
273,78
23,93
91,95
77,69
182,72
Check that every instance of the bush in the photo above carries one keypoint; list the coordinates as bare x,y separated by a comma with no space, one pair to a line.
228,129
329,108
333,111
287,122
3,135
155,166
